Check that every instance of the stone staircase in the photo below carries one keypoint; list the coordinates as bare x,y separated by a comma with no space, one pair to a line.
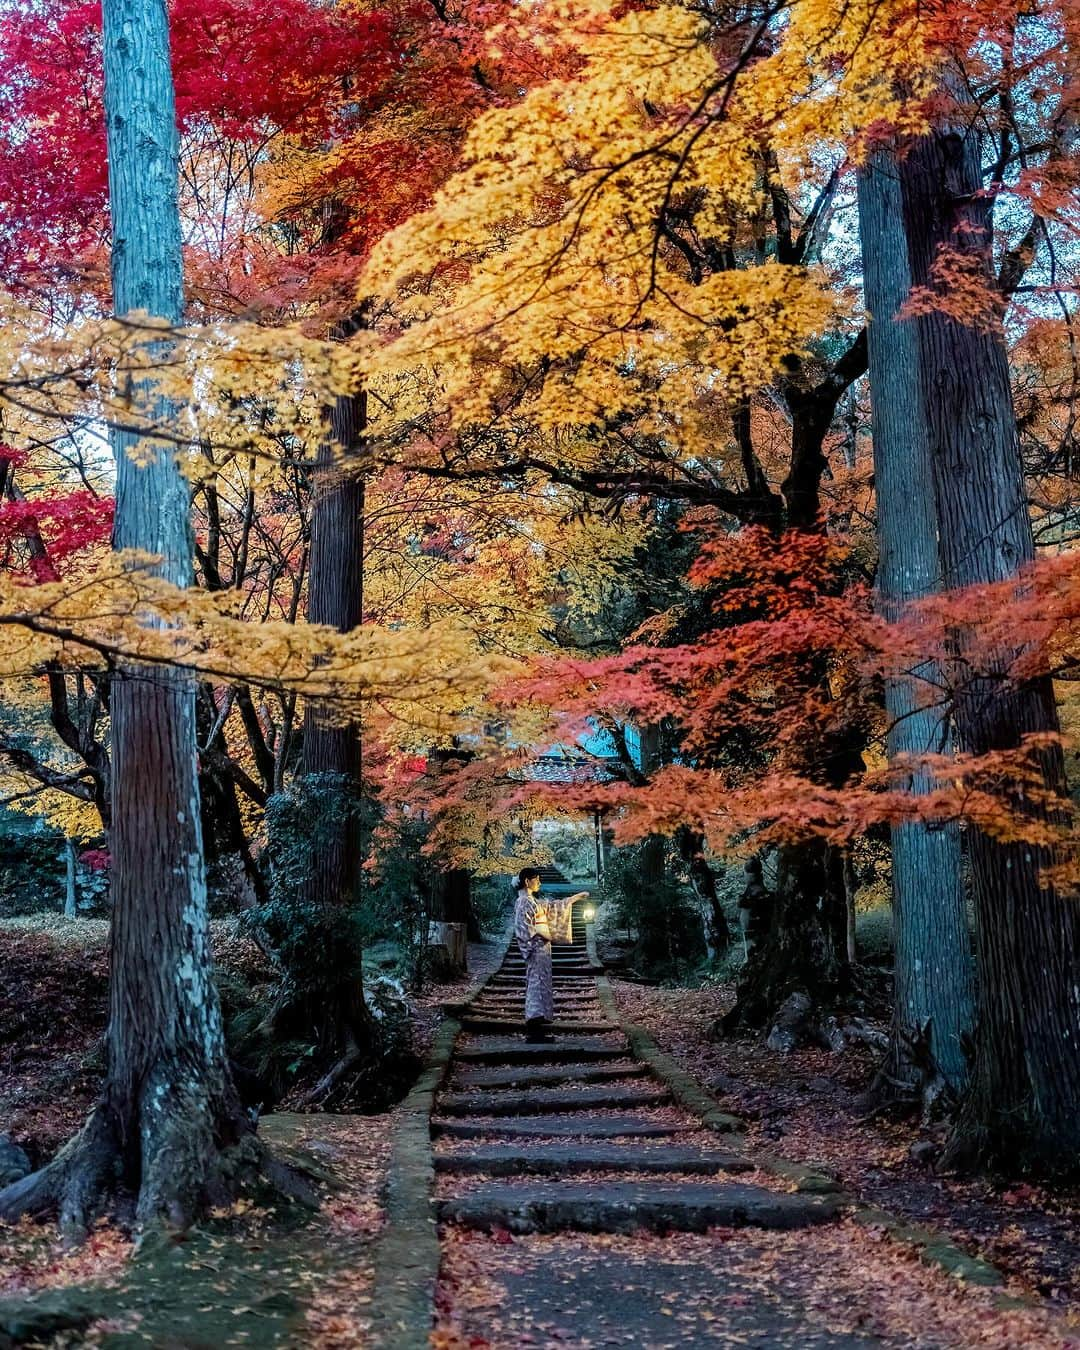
579,1135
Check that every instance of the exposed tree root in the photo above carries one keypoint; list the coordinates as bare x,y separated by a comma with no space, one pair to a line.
349,1063
334,1075
909,1079
180,1161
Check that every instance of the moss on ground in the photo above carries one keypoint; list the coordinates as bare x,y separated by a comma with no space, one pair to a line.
261,1275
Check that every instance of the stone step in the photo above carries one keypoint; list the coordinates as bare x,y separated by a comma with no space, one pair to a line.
510,1160
518,982
516,989
513,952
559,965
559,1028
570,970
515,994
557,948
586,992
571,959
529,1075
613,1126
515,1050
563,954
574,979
556,1100
510,990
563,1012
515,1012
575,986
559,977
628,1207
510,996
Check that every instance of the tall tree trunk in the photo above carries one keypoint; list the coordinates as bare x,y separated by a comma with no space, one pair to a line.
805,950
451,887
229,858
71,894
933,1009
1022,1108
653,857
168,1109
331,765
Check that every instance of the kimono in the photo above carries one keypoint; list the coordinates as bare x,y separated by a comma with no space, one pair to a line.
536,922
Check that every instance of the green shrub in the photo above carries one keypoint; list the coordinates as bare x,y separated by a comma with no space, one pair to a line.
301,824
874,936
491,900
660,915
32,866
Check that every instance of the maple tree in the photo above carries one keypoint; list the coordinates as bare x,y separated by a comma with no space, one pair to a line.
636,381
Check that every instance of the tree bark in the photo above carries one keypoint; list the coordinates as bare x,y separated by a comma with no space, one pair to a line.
451,887
933,1007
654,846
691,847
331,765
1022,1108
71,894
804,949
168,1113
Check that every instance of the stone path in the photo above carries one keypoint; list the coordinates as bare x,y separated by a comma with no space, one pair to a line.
580,1137
590,1194
538,1118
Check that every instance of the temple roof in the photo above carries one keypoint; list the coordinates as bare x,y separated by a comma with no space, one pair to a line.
571,769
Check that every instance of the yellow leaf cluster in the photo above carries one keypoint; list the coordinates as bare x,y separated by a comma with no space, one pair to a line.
123,611
552,283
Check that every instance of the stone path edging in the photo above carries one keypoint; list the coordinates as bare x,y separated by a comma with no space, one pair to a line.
933,1248
936,1249
406,1253
683,1087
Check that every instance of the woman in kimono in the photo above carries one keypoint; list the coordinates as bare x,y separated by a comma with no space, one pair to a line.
536,922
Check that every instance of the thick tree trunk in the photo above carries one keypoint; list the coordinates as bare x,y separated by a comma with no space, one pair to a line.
804,950
168,1116
933,1008
333,1008
168,1086
653,857
451,887
1022,1108
451,896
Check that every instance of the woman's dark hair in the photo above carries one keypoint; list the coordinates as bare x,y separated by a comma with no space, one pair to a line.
527,874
